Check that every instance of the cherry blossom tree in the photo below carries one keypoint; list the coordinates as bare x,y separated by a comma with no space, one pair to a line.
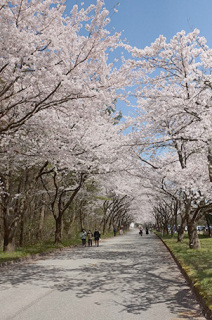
48,59
87,148
56,87
173,126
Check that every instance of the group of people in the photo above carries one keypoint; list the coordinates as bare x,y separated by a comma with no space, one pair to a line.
141,230
121,231
89,236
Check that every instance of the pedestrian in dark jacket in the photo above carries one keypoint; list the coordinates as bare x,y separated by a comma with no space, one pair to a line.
114,231
96,237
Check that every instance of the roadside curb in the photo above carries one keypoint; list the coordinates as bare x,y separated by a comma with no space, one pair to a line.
206,310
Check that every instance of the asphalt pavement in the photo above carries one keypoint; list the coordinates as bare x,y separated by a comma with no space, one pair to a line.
126,277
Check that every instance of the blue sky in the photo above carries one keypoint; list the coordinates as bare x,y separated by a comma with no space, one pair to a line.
142,21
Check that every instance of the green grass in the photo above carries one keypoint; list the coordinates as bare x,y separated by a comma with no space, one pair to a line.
41,247
196,263
107,235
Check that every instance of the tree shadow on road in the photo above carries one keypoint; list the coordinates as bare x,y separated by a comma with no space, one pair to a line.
136,273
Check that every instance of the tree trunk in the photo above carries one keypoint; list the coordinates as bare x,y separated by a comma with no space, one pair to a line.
180,236
165,229
184,218
41,222
71,221
58,230
81,219
194,242
8,234
104,226
110,225
210,160
209,223
180,233
22,224
21,239
8,244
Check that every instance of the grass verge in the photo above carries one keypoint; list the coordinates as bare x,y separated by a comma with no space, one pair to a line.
196,263
37,248
41,247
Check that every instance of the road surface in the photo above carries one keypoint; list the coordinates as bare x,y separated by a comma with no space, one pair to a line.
126,277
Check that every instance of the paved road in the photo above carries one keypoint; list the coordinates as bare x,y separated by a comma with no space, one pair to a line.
127,277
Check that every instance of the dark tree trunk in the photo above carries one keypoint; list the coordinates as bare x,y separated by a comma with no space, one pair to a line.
8,244
165,229
21,239
81,219
209,223
180,236
103,228
58,230
184,219
9,232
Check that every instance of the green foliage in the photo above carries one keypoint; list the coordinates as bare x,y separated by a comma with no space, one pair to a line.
44,247
196,263
106,235
41,247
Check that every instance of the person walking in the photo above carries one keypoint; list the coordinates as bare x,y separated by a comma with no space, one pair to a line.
114,231
83,236
90,236
96,237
